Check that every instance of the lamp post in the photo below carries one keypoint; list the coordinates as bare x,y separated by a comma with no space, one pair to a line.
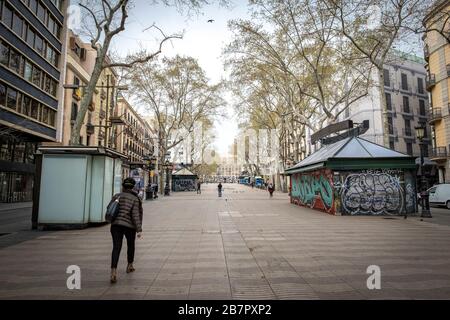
151,167
420,133
167,166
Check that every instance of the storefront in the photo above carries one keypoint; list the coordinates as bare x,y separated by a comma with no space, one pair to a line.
355,177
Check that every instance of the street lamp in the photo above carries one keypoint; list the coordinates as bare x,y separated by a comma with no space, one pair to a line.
420,133
151,166
167,166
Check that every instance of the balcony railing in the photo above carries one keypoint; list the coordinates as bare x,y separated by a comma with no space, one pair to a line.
431,81
439,152
435,115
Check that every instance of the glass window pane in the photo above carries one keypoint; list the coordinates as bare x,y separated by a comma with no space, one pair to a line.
30,37
33,5
17,25
14,62
39,44
2,95
37,76
34,109
45,115
28,71
26,106
4,53
7,16
41,12
11,99
51,118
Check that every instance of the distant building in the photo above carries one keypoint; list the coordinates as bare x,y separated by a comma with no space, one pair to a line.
437,55
407,106
31,47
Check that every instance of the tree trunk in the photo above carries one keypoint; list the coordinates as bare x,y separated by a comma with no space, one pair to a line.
383,107
87,98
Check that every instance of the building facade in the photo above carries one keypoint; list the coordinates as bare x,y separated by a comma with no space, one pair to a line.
437,55
31,46
135,139
407,106
80,62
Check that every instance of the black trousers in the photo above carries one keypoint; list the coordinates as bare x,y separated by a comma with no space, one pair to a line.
117,233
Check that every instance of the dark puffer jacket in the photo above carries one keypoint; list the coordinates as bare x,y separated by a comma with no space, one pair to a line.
131,212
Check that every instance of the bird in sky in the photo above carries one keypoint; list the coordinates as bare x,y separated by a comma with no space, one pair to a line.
211,20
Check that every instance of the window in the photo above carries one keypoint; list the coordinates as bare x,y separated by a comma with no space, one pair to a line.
387,80
407,125
34,109
30,37
388,101
51,117
33,5
40,12
28,71
26,105
47,84
37,76
45,115
39,44
4,53
422,107
11,101
406,104
409,149
7,16
74,111
404,81
14,61
392,144
2,95
420,85
390,125
53,87
17,25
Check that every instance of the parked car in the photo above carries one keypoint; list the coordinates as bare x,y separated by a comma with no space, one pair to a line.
439,195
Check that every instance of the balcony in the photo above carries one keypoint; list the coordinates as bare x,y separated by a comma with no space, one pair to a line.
102,114
438,153
435,115
430,81
426,53
101,135
92,105
90,129
103,94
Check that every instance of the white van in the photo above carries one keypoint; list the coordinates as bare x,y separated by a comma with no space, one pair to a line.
440,195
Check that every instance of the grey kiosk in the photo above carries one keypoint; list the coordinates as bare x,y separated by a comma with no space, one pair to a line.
74,185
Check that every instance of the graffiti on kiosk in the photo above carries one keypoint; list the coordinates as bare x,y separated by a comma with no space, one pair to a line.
374,192
314,190
410,197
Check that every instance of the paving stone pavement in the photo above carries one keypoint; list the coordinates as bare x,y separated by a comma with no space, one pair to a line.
241,246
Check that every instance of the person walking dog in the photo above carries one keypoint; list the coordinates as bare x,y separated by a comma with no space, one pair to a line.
128,223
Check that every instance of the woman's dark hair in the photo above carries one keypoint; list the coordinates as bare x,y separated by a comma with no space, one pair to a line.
129,183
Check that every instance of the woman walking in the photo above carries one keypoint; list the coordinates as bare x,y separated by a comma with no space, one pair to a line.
128,223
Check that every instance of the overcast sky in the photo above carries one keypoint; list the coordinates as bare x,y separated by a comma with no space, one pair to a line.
202,40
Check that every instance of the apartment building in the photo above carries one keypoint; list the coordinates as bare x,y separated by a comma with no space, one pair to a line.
80,62
135,139
407,105
31,46
437,55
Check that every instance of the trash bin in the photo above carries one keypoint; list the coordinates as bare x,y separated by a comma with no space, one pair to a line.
149,193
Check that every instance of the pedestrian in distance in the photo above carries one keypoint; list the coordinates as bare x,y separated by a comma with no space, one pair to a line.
199,190
219,189
128,223
271,189
155,191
